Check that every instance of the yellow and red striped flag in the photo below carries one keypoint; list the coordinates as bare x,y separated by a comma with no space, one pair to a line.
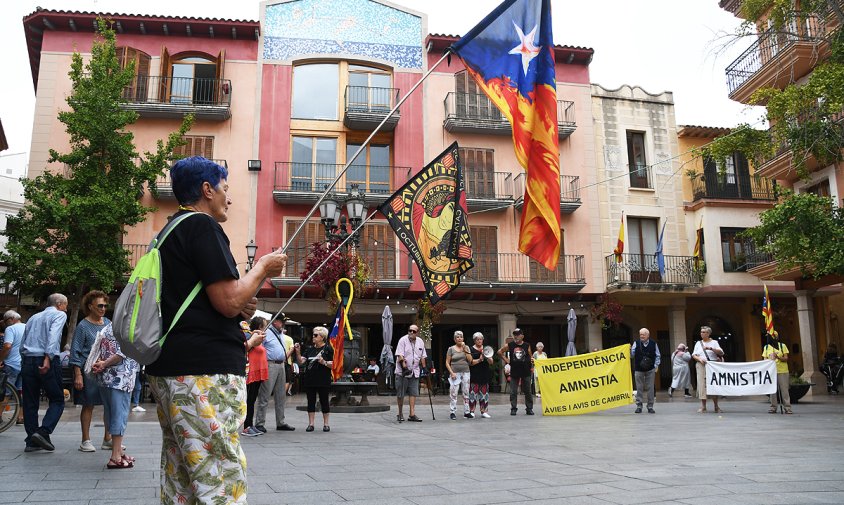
698,252
619,247
767,312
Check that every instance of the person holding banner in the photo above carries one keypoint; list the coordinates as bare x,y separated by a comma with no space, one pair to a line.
777,351
705,350
479,376
645,357
517,355
457,360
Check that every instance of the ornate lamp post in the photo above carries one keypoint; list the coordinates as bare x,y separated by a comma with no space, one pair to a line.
251,250
335,224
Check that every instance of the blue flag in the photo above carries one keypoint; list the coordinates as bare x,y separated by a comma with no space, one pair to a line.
660,257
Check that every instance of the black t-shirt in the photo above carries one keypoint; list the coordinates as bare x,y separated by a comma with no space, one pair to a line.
519,359
203,342
317,375
480,373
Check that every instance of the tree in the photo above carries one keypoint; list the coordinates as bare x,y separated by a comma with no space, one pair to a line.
68,235
808,121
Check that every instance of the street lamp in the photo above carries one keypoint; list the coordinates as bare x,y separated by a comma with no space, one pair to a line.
335,224
251,250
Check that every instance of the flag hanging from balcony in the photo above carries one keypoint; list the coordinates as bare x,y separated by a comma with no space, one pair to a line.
698,252
619,246
510,56
768,312
660,256
428,215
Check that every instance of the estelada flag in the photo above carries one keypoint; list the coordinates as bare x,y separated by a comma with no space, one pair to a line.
768,312
335,338
428,215
510,56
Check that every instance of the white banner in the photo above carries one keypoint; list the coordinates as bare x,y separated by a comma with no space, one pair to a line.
741,379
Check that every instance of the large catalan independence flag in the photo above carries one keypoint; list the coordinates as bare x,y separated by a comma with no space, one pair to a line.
428,215
510,56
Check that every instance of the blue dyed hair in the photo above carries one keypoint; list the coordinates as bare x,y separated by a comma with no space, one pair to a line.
188,174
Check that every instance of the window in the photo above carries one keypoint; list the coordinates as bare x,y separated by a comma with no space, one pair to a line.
196,146
479,172
314,163
471,102
369,89
300,247
820,189
192,78
642,235
639,171
485,255
315,91
137,90
734,250
378,248
371,170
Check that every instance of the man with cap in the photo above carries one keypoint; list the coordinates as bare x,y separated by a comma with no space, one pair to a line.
278,346
517,354
777,351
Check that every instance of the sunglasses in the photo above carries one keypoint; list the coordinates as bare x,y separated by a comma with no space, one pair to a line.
102,305
413,331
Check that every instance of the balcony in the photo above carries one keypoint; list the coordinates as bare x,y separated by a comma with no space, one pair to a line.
489,190
640,176
165,185
475,113
641,271
303,183
135,253
366,107
777,59
515,270
727,187
173,97
384,260
569,192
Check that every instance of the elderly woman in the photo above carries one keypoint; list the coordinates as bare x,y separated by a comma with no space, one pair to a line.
539,353
705,350
480,375
681,376
115,375
94,305
457,363
258,371
199,381
317,360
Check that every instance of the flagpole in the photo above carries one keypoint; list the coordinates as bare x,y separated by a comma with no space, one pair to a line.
324,262
360,150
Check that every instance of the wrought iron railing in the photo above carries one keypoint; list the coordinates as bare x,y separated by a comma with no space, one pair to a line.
384,261
478,107
768,45
485,185
565,113
179,90
164,179
135,253
569,187
757,258
314,177
732,186
369,99
638,269
518,268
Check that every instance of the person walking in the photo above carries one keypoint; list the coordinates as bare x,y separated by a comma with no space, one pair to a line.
41,369
645,357
777,351
706,349
681,377
10,354
480,376
457,363
517,355
317,360
198,380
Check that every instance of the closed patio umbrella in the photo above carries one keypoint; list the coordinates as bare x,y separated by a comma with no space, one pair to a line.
572,328
387,360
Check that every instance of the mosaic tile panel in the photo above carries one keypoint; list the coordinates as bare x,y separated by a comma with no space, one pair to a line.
352,27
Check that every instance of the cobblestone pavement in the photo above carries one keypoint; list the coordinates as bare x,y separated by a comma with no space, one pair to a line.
743,456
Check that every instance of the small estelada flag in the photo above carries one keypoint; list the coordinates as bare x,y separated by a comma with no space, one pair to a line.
428,214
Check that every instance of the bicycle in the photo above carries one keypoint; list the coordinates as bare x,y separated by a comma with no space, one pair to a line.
9,407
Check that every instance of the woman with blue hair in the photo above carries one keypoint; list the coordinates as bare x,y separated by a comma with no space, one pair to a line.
199,379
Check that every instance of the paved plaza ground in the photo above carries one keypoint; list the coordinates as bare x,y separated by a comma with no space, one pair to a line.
743,456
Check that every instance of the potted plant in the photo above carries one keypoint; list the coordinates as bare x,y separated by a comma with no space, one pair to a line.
607,311
797,387
344,263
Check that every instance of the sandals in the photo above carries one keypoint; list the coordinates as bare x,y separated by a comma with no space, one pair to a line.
414,419
119,465
128,458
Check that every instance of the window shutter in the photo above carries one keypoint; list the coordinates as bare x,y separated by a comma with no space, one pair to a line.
485,238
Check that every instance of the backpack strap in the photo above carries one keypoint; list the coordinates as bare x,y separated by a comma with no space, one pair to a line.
182,309
159,239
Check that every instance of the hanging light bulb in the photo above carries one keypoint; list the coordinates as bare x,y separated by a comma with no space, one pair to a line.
388,297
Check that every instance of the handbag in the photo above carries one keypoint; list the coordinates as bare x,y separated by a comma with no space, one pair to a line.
94,355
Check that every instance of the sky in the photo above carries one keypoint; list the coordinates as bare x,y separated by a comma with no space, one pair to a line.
660,45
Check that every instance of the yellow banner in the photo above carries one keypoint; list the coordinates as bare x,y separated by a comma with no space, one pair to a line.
587,383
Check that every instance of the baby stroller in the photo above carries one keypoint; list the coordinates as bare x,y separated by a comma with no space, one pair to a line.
834,371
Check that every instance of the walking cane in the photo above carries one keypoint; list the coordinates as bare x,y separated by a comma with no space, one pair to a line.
430,400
